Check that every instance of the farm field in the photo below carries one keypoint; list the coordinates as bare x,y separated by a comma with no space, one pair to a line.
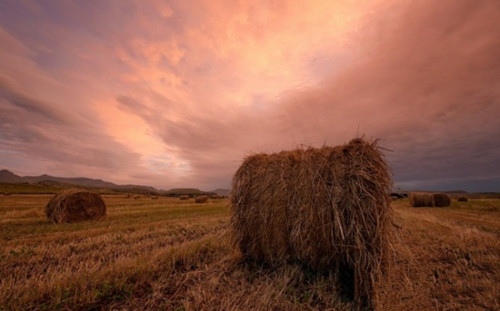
175,255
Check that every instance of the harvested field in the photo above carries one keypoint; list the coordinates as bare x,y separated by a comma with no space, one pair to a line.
170,254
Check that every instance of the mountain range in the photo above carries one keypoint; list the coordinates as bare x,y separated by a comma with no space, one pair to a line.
7,176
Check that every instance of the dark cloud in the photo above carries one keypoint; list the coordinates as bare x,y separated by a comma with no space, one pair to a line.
29,105
48,132
430,89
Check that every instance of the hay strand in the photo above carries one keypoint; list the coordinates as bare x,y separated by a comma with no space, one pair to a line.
75,205
328,208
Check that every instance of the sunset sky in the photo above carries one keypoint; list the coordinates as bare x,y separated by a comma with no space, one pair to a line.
176,93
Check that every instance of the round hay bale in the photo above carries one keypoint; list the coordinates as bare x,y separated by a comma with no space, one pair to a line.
75,205
421,199
462,199
441,199
328,208
201,199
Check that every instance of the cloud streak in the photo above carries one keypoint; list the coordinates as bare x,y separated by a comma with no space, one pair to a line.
173,94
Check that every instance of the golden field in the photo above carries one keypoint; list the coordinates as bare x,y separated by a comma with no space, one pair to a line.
171,254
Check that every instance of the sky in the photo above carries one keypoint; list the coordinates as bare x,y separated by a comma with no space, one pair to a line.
177,93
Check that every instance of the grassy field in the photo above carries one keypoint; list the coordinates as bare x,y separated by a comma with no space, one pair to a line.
175,255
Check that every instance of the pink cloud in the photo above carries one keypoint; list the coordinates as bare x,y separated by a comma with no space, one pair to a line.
179,93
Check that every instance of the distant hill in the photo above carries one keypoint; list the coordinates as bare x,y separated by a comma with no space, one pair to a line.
175,192
8,177
81,181
53,183
220,191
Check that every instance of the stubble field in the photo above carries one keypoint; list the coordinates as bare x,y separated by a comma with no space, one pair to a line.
175,255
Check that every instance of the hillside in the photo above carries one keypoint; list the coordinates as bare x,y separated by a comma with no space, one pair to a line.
9,177
12,183
24,184
220,191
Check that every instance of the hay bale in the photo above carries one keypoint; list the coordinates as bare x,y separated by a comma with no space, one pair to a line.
328,208
201,199
421,199
184,197
462,199
441,200
75,205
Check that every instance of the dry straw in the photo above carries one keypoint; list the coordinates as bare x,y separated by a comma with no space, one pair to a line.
328,208
75,205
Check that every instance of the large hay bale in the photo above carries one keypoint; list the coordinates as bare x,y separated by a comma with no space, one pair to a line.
328,208
441,200
201,199
421,199
75,205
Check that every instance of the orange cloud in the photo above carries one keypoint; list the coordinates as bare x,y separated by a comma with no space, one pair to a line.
183,90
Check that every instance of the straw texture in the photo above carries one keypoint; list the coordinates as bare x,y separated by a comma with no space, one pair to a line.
328,208
75,205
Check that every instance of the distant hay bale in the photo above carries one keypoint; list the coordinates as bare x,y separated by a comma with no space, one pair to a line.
201,199
441,200
328,208
421,199
424,199
75,205
462,199
184,197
